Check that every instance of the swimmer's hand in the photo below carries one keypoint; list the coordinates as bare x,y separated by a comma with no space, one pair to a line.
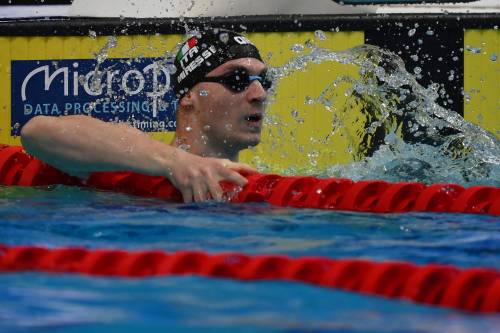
198,178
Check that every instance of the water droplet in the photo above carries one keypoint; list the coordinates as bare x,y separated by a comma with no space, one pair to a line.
429,32
466,96
228,127
494,57
419,41
411,32
171,68
313,155
206,127
295,113
185,147
417,70
224,37
203,93
320,35
92,34
297,48
189,129
475,50
308,100
191,5
414,57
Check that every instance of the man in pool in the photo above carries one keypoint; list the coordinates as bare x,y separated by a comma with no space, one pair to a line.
222,88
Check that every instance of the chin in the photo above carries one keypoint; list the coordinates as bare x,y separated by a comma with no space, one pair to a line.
249,142
252,144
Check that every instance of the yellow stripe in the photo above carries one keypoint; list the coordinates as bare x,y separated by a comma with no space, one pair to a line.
482,79
5,92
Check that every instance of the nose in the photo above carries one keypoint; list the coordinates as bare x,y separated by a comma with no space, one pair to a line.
255,92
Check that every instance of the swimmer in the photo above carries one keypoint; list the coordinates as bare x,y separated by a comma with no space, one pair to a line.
221,84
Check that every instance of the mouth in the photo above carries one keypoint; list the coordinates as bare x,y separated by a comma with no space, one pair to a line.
254,119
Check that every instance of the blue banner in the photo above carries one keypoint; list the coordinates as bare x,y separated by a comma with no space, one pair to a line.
117,90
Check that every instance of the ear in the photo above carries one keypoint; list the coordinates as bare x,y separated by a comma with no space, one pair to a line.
187,100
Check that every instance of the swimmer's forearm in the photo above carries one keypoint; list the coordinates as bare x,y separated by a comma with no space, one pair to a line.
80,145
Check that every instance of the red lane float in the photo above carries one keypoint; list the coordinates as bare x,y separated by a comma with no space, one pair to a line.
18,168
475,290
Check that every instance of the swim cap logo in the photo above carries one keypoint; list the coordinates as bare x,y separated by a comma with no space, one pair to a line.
187,46
190,60
242,40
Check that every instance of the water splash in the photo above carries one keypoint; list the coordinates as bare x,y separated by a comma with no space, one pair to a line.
408,136
96,79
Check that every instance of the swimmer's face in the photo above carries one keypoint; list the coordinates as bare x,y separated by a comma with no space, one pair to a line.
228,116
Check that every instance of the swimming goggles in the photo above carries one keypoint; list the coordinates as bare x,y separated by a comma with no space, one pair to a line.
239,80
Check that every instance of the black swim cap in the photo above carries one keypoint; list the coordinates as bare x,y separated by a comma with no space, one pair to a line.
206,51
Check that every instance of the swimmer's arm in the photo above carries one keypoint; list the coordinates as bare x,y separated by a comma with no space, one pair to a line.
80,145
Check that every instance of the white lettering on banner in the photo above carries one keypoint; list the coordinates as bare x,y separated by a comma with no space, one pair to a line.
109,81
93,86
139,76
27,109
48,79
110,107
42,109
75,83
157,92
93,83
153,124
130,107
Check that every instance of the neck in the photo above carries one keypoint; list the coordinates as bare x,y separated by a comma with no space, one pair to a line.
201,145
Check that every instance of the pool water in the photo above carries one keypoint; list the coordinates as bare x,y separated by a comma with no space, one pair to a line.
61,216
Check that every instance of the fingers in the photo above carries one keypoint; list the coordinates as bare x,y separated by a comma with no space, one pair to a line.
234,177
242,168
200,192
187,194
197,178
207,188
215,189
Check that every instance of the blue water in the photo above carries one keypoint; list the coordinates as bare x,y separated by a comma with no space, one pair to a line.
65,216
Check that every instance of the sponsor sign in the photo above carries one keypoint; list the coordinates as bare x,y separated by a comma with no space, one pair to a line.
119,90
